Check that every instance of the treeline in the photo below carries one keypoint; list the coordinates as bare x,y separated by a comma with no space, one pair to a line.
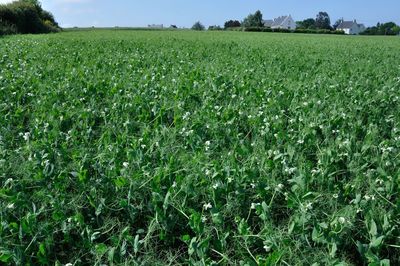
389,28
321,22
255,23
26,16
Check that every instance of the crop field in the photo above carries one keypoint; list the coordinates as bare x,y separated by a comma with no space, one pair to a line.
209,148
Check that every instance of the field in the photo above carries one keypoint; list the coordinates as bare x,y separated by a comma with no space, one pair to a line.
210,148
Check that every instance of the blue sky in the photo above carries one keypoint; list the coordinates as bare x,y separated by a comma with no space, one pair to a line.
184,13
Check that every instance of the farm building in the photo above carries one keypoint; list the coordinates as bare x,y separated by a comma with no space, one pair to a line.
156,26
282,22
351,27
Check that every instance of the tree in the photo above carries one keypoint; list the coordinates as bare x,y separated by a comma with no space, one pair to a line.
253,20
306,24
388,28
323,21
26,16
337,23
33,2
232,24
198,26
396,30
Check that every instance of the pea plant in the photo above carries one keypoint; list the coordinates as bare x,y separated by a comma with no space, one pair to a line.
199,148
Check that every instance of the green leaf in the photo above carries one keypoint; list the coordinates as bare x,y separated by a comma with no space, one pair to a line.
185,238
136,244
264,206
111,253
42,249
192,246
274,258
333,250
376,242
5,256
373,231
101,249
385,262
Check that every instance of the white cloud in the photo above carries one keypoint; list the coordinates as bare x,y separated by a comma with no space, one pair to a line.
5,1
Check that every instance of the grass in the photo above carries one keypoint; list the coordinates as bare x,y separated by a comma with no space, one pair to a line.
229,148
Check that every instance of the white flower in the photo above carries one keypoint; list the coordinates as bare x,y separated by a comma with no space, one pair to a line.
186,115
216,185
267,248
279,187
208,143
335,196
125,164
203,219
342,220
8,181
207,206
254,205
26,136
174,184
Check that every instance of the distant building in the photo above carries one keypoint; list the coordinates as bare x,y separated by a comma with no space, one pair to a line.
268,23
283,22
351,27
156,26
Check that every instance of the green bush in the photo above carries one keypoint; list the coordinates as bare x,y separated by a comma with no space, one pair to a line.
234,29
6,28
198,26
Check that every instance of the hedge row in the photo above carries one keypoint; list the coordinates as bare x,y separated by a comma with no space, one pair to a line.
309,31
263,29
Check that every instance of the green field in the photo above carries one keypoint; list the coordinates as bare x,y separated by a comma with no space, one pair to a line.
177,147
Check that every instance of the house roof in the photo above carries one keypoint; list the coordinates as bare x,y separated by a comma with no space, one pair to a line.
346,24
349,25
276,22
268,22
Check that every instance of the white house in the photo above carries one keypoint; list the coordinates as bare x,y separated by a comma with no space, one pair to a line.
283,22
351,27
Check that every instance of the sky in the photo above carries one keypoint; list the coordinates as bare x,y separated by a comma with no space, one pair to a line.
183,13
